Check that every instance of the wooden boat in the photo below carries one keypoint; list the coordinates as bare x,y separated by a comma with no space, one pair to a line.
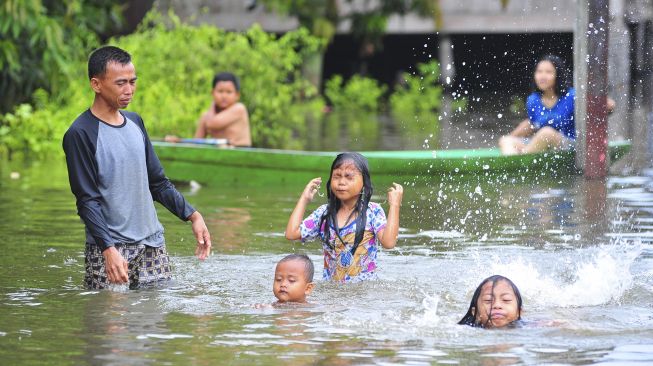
207,162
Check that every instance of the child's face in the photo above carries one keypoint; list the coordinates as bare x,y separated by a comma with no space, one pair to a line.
290,283
545,75
498,305
225,94
346,182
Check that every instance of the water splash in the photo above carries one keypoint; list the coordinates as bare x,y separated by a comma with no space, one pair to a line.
583,277
429,317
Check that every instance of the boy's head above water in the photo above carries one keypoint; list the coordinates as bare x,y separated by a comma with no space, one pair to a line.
293,278
496,303
226,90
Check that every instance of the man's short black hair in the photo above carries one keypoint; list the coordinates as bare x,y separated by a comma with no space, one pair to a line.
226,76
309,270
101,57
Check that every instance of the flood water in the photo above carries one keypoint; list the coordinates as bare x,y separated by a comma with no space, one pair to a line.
579,251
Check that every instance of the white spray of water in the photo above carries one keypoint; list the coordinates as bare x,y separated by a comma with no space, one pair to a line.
428,318
584,277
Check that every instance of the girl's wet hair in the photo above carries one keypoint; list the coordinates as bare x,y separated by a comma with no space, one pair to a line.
563,77
470,317
329,218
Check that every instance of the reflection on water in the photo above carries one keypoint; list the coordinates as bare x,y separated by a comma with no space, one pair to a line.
580,252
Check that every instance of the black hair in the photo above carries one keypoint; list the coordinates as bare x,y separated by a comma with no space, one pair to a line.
563,77
470,317
329,218
101,57
226,76
309,270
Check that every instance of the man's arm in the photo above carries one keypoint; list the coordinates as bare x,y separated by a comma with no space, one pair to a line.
82,174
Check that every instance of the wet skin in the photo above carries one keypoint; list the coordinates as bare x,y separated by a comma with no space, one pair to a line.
290,283
346,185
497,307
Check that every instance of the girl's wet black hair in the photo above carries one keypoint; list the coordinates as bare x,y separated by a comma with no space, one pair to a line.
563,74
329,218
470,317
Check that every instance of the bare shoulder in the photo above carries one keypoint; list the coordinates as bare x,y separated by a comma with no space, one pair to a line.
240,108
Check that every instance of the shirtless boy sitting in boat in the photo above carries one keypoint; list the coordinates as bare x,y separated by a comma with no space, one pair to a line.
226,118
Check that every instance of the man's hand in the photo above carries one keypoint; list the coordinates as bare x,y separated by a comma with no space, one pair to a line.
201,235
115,265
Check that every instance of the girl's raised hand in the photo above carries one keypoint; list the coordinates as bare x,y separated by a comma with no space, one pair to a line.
311,189
395,194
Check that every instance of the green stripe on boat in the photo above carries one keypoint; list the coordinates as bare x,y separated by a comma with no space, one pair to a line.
181,159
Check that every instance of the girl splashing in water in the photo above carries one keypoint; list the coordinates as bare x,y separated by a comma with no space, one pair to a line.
496,303
349,225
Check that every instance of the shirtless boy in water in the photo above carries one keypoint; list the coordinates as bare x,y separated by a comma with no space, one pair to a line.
226,118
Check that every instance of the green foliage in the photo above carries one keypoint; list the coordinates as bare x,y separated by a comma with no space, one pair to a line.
174,85
320,17
367,20
348,129
420,95
517,105
416,104
41,40
359,94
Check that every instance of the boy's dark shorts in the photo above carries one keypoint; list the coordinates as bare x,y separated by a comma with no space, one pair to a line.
148,266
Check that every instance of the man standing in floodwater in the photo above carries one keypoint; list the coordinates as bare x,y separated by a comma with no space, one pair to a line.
116,177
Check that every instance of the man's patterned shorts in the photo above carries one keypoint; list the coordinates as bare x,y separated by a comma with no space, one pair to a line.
148,266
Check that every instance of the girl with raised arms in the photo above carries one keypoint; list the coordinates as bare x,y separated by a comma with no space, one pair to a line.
350,227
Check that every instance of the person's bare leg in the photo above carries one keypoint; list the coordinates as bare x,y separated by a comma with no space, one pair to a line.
511,145
544,139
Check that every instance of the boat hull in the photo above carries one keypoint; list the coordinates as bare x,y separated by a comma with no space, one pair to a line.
204,163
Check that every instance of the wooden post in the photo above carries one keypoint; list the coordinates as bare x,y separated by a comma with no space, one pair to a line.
596,142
